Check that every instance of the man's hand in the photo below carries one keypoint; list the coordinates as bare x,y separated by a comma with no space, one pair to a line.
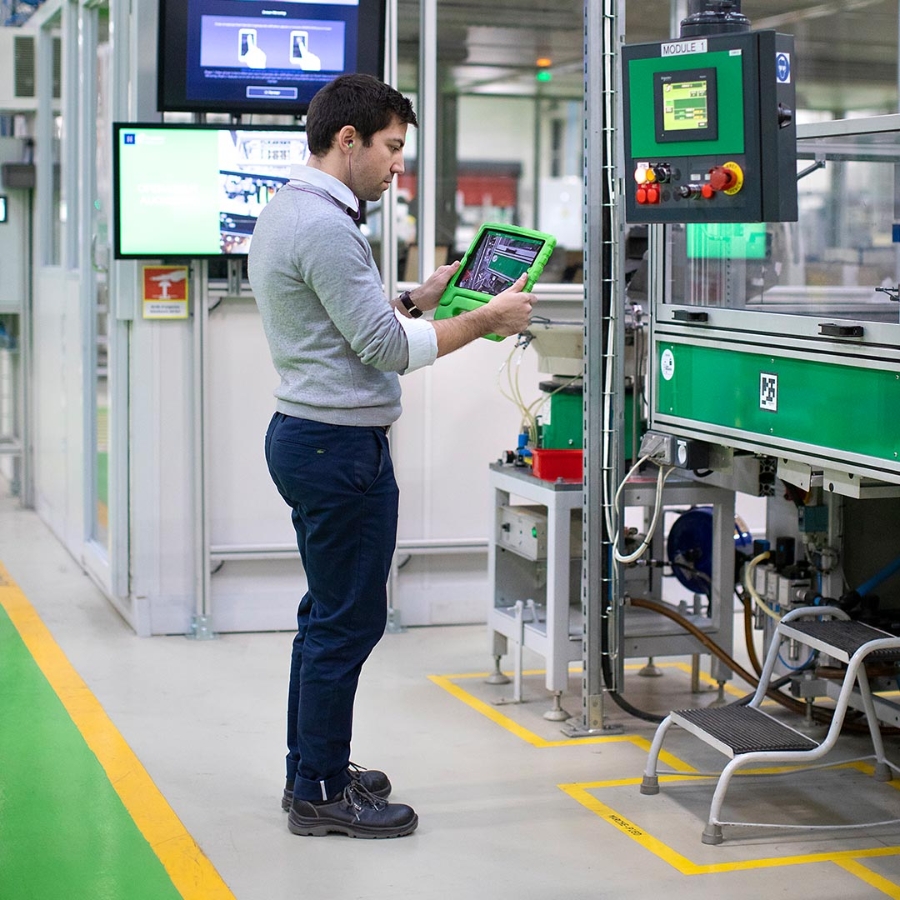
507,313
511,308
427,296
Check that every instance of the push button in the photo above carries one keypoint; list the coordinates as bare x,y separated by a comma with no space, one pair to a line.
721,179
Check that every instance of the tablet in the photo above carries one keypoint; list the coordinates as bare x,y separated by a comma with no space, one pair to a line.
496,258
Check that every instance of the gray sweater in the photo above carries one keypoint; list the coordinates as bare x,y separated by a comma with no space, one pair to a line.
334,338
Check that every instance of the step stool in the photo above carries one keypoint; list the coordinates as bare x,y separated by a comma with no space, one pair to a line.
750,736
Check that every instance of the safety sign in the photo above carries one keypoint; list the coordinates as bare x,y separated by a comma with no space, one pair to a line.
165,292
783,68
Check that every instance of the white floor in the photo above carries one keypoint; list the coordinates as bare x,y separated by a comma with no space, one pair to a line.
206,720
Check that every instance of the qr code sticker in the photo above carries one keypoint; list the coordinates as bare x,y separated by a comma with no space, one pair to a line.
768,391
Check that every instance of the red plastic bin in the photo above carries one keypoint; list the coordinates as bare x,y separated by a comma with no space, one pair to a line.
552,465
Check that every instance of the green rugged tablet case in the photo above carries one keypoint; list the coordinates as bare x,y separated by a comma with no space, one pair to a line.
496,258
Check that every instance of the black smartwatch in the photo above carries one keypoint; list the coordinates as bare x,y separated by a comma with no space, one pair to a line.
409,306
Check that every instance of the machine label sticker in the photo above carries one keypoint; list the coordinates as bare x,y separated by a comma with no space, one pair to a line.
165,292
768,391
667,364
783,68
682,48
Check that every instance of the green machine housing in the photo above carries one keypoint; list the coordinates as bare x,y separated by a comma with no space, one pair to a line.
709,129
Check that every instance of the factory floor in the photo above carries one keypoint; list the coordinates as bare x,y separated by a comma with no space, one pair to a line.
152,768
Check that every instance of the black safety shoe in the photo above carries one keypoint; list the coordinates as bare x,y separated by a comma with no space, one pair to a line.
372,780
356,812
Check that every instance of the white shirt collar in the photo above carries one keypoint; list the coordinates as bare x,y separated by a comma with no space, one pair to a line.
325,182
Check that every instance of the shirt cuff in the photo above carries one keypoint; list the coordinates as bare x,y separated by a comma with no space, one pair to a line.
422,342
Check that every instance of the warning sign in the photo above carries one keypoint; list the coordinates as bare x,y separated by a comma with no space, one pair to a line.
165,292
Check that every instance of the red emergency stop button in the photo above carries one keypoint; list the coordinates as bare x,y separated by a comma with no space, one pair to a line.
721,179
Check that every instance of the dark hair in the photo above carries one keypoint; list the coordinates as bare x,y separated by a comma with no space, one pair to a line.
364,102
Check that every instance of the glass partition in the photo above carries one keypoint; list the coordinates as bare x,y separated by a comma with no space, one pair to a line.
839,259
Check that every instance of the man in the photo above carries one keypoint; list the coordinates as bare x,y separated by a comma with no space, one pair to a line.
339,345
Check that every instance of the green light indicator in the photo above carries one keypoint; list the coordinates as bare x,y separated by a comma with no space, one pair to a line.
544,75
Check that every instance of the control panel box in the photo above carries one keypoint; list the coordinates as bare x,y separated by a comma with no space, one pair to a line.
710,132
523,529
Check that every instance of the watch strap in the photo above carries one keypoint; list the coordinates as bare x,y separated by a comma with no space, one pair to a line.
409,305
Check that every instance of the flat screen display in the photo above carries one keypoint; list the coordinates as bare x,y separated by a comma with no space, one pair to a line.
245,56
497,261
195,191
729,240
685,105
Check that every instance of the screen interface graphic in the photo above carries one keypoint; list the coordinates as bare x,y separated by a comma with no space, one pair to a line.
498,261
246,54
195,192
685,105
729,240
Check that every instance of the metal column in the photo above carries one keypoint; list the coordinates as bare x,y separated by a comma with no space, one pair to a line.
604,333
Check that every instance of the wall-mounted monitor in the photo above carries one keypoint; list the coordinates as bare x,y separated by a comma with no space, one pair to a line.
195,191
246,56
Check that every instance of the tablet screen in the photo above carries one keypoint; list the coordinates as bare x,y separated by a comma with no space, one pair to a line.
497,261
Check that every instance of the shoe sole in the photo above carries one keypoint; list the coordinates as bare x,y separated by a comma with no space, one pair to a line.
319,828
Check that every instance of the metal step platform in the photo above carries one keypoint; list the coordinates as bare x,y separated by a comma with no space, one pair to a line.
750,736
741,729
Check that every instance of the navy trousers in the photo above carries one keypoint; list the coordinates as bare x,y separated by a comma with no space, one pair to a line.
339,483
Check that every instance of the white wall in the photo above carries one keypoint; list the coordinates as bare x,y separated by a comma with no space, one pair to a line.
455,422
58,406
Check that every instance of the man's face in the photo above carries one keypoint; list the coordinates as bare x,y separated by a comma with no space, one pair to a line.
374,167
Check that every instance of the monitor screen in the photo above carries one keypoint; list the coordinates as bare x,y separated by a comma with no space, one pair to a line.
195,191
685,105
497,261
729,240
245,56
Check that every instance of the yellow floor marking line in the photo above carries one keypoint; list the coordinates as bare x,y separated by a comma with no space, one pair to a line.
445,682
191,872
631,667
581,792
869,877
847,860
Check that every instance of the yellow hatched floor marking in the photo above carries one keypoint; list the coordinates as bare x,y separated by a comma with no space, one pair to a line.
191,872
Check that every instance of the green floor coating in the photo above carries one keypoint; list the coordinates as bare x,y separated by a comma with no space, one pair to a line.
64,832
